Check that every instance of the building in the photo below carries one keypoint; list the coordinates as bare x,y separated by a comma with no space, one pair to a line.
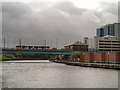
77,46
109,29
85,40
108,37
98,57
90,42
108,43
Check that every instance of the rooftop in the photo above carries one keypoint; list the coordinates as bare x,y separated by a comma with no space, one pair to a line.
108,25
75,43
108,37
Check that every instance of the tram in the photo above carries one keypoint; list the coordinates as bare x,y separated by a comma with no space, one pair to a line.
31,47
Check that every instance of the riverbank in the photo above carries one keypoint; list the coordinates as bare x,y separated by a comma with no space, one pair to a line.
85,64
27,61
24,56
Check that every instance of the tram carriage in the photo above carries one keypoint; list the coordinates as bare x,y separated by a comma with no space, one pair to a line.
32,47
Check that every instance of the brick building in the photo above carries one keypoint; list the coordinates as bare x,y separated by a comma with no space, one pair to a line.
77,46
99,57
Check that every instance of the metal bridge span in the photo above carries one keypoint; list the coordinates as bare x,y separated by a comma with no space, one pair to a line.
57,52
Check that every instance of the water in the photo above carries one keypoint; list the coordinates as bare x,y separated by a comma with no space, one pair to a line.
55,75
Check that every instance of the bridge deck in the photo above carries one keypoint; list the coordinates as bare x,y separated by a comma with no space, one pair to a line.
63,52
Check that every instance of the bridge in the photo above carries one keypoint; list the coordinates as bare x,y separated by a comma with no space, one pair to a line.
57,52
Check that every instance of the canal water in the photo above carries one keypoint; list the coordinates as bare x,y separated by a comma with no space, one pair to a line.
56,75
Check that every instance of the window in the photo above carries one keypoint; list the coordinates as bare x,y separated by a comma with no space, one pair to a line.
111,30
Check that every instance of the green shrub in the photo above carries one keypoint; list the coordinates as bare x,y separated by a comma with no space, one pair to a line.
75,54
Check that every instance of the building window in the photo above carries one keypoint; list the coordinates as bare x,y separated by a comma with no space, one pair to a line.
111,30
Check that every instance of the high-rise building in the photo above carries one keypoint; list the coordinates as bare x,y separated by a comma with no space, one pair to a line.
109,29
108,38
100,32
108,43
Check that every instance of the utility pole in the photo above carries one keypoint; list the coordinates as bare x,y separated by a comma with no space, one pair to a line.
20,43
45,44
4,43
56,43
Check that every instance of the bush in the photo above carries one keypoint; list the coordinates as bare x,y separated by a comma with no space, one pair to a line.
75,54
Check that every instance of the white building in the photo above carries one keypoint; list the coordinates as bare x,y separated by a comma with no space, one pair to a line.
90,42
108,37
108,43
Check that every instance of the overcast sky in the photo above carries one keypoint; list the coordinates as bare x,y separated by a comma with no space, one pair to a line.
51,20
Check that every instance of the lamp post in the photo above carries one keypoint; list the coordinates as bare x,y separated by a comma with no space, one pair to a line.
83,60
83,57
108,59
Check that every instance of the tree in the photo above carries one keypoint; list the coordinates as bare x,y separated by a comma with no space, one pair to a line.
75,54
54,49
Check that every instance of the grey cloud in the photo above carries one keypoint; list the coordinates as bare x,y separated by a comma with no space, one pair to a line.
61,20
109,7
108,12
15,9
69,7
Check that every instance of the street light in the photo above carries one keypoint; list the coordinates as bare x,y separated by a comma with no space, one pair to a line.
108,59
83,57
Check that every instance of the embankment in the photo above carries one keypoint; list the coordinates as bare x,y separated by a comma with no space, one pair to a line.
88,64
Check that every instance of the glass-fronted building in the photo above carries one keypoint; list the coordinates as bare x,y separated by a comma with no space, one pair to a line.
109,29
108,37
100,32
